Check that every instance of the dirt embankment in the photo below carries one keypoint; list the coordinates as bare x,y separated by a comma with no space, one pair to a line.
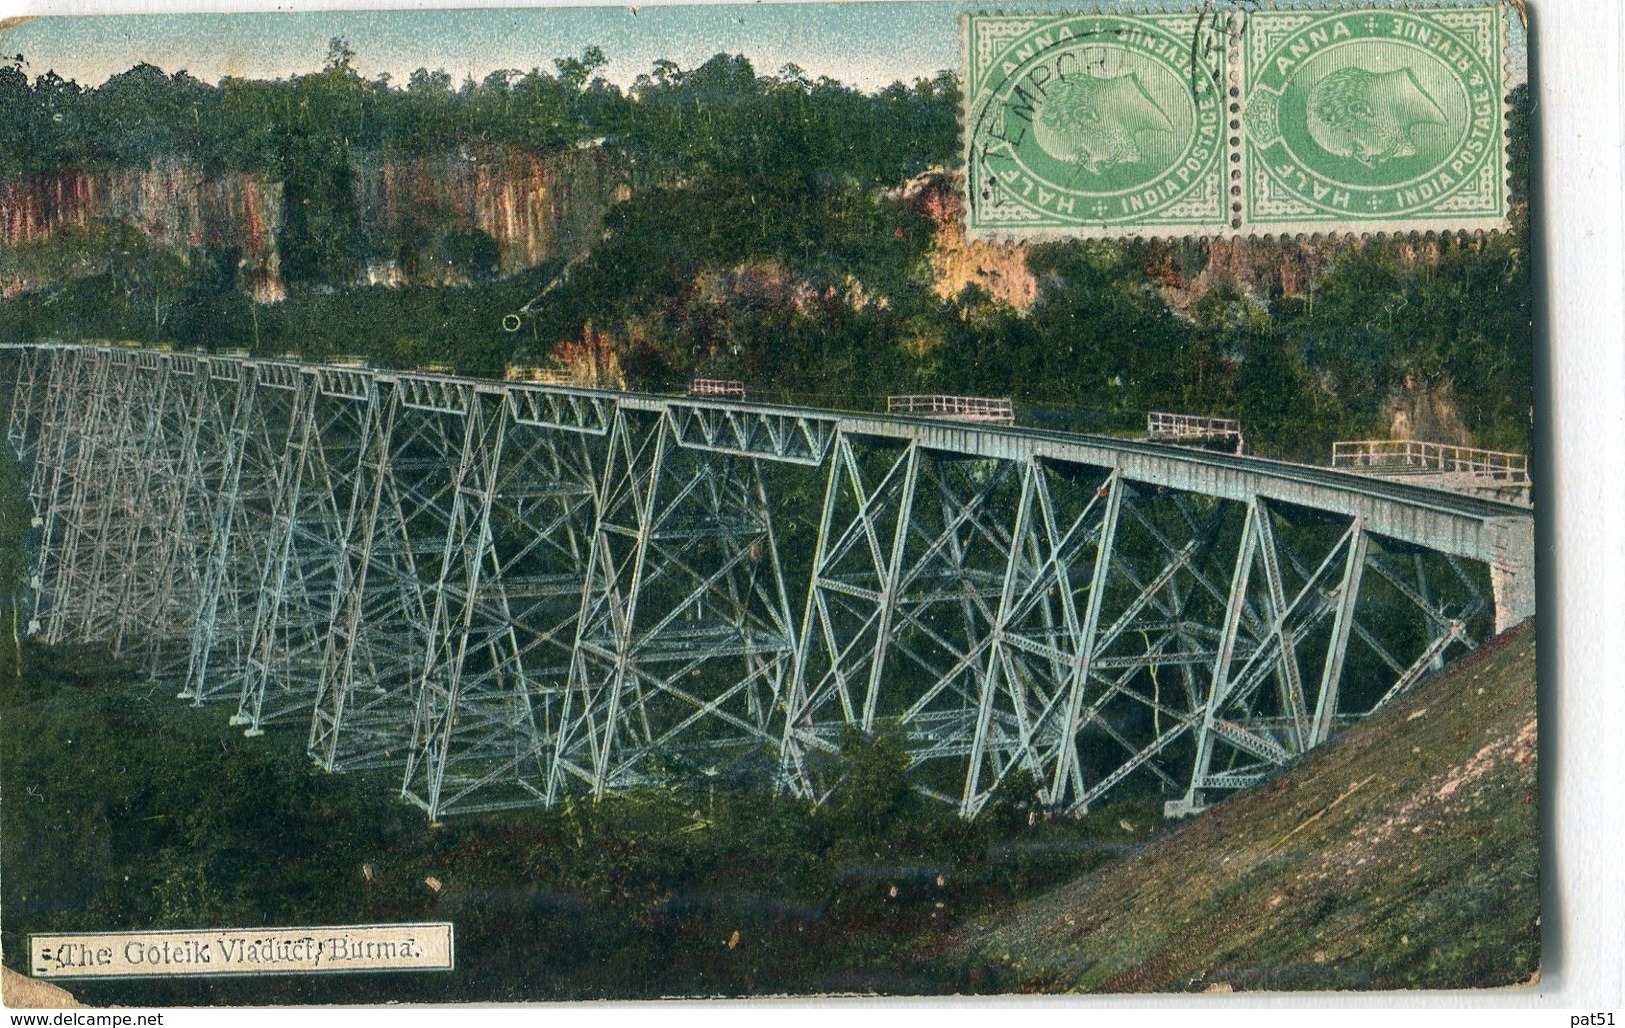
1402,855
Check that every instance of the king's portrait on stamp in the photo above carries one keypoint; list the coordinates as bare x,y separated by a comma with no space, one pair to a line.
1390,119
1115,122
1260,122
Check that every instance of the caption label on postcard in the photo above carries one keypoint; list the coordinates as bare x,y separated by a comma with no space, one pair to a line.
397,947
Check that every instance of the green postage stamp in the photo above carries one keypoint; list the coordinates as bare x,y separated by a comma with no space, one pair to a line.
1285,121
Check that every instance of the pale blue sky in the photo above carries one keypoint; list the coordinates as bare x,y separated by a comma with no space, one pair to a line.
865,44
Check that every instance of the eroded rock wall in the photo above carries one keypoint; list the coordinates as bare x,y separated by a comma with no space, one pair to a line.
173,204
533,206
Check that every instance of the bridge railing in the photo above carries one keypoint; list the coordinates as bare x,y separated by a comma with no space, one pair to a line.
1162,426
969,408
1412,456
537,373
717,388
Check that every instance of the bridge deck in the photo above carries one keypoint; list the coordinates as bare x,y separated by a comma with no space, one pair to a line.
1460,525
1005,595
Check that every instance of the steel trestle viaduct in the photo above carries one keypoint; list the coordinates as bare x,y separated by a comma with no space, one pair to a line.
508,591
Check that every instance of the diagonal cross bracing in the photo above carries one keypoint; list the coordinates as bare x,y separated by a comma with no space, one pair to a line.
316,483
509,592
684,638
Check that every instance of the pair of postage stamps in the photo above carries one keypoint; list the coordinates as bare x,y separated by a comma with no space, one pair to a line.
1276,122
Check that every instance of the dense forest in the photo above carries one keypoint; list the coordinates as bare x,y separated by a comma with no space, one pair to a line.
765,234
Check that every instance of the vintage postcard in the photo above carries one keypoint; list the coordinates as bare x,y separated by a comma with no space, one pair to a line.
896,498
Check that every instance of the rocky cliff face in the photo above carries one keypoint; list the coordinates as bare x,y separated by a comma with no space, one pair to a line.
998,268
1186,270
533,207
1249,265
1428,412
173,204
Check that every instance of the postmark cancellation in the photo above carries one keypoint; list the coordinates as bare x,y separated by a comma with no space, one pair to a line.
1284,121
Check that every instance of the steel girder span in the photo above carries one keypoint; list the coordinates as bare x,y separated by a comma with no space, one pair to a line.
509,591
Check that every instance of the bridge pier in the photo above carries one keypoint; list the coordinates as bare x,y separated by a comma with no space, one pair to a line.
1512,573
513,592
684,642
330,424
179,486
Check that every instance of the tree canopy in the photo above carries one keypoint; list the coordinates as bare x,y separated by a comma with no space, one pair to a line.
764,236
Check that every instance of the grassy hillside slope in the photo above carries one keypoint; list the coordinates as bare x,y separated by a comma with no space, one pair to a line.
1403,855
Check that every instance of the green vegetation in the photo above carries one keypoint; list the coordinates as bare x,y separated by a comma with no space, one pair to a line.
1404,854
764,239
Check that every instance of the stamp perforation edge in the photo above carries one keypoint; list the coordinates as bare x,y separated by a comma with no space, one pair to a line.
1233,18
